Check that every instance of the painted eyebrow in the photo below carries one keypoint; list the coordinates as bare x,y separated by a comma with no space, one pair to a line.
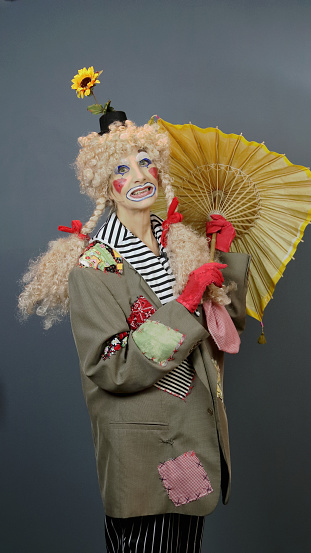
124,160
142,151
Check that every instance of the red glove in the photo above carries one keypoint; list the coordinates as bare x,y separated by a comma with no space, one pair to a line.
224,229
198,281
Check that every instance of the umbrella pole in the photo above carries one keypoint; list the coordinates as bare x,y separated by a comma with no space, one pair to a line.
212,247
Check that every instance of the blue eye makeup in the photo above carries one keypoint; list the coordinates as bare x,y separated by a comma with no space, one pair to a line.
121,169
145,162
143,159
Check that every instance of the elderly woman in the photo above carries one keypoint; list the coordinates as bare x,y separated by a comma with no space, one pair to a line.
151,371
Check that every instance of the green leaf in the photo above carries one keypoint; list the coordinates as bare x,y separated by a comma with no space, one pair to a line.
108,107
96,109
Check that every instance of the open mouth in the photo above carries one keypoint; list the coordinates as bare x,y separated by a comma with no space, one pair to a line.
141,192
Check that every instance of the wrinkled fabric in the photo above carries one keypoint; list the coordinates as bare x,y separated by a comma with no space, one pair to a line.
221,327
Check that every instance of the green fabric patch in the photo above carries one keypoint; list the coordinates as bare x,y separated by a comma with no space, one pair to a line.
157,341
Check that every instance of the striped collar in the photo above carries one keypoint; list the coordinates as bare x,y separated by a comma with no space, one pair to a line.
155,270
115,234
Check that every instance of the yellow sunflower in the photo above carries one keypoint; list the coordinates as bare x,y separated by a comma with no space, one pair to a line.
84,81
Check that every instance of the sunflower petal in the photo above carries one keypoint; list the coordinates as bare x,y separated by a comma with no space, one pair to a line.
84,81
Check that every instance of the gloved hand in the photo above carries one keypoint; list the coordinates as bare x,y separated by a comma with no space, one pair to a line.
224,229
198,280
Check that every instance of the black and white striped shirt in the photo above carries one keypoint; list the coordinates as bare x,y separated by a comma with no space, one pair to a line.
156,271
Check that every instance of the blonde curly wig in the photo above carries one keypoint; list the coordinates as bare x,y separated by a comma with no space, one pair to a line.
99,155
46,281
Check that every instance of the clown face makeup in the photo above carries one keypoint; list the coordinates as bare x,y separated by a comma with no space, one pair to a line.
134,182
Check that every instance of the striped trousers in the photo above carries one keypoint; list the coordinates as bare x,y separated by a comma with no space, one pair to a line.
169,533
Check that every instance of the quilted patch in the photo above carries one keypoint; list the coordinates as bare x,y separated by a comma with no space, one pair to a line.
102,257
184,478
115,344
140,311
157,341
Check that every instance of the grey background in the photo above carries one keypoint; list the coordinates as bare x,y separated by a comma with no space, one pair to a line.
241,65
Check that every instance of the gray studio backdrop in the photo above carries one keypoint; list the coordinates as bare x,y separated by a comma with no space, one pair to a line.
244,66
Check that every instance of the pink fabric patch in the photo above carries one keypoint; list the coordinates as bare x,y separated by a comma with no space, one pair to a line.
184,478
221,327
141,310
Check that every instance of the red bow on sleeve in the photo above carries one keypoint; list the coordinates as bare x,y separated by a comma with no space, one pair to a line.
171,219
75,228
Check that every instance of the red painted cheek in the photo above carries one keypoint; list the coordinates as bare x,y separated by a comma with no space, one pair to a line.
118,184
154,172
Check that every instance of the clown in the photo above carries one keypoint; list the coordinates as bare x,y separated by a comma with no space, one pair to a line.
151,369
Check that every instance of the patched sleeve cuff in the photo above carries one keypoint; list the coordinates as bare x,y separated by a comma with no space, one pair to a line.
157,341
175,316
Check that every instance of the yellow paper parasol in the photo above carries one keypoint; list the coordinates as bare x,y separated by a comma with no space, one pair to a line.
265,197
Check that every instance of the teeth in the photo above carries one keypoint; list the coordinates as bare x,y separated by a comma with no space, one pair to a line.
140,191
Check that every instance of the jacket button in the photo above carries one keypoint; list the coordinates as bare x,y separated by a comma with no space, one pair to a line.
210,411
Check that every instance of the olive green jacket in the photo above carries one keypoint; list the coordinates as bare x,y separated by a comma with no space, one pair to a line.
136,427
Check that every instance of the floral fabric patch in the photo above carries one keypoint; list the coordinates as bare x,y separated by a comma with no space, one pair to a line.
115,344
140,311
184,478
157,341
219,388
102,257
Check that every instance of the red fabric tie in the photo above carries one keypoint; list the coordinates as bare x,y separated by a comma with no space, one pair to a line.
76,227
171,219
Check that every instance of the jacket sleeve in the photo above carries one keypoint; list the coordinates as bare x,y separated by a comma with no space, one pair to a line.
145,355
237,271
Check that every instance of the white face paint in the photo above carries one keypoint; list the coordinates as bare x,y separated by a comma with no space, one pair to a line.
135,181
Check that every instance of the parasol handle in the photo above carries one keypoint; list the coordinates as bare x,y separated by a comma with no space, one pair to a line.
212,247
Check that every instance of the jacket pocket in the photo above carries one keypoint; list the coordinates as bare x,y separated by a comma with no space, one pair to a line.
140,426
131,479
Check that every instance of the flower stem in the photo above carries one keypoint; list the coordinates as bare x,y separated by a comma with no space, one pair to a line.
94,97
